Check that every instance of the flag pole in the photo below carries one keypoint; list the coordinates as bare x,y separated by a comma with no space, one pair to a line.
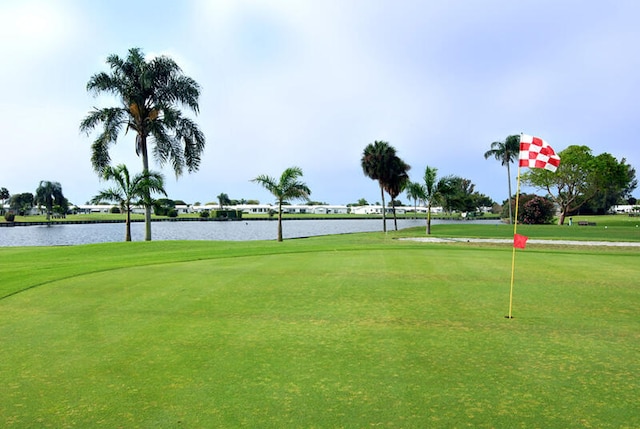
513,254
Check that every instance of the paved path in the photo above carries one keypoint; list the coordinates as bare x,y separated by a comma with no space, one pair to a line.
530,241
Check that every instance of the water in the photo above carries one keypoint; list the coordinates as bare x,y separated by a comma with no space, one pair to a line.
63,235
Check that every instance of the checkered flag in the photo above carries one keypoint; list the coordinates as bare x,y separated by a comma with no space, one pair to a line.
536,153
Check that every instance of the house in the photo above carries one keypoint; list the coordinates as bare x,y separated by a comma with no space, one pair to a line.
377,209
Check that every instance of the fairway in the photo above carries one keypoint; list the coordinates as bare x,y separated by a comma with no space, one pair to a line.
346,331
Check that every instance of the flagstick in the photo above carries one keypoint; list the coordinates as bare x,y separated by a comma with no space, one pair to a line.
513,255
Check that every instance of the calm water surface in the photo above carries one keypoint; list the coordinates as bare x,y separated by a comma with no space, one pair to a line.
62,235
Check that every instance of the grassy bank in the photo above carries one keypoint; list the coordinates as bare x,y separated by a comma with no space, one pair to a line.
357,330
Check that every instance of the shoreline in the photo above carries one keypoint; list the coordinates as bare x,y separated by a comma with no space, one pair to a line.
195,219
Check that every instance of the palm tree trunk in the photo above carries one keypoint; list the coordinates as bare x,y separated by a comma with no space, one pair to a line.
127,229
145,169
384,216
429,218
279,220
395,220
509,199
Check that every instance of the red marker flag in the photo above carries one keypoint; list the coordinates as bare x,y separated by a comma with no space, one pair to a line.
520,241
536,153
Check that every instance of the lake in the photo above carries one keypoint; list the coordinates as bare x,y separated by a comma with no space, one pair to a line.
64,235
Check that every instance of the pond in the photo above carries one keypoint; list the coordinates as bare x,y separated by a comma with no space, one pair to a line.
62,235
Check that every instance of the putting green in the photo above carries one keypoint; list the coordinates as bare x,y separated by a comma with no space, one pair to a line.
404,335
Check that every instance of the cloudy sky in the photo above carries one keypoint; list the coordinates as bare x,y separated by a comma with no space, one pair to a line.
311,83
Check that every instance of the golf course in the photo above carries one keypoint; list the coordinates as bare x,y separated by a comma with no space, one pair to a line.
358,330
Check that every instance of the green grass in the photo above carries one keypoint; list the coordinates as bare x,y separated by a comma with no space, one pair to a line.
607,228
353,331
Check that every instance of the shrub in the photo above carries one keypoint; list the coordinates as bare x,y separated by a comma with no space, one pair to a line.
204,214
115,210
227,214
172,213
537,210
9,216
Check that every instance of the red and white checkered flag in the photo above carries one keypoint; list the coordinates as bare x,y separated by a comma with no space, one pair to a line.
536,153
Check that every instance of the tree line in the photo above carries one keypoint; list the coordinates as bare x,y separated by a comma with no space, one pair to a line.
152,93
583,183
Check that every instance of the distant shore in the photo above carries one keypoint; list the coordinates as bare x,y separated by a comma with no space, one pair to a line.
71,221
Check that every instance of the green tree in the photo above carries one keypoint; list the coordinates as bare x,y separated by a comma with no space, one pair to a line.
164,207
416,192
287,188
376,162
150,95
396,182
432,192
223,200
481,201
579,178
610,193
21,203
506,152
49,194
129,190
457,194
4,196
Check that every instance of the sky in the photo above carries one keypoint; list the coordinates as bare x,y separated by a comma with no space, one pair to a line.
311,83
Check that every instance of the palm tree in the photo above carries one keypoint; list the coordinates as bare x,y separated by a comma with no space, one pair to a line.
398,177
416,192
127,189
285,189
150,94
375,162
506,152
50,194
432,193
223,200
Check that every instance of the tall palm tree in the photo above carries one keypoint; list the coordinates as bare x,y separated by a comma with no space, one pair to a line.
127,189
286,189
432,193
49,194
506,152
150,94
398,177
376,160
416,192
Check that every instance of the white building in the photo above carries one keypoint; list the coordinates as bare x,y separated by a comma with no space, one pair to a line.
376,209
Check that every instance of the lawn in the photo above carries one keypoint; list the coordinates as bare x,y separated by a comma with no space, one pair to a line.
354,331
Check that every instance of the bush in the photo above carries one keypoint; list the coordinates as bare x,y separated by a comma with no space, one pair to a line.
227,214
115,210
172,213
204,214
537,210
163,207
9,216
